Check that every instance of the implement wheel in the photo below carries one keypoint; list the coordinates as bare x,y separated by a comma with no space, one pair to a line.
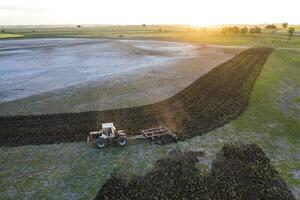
101,143
122,141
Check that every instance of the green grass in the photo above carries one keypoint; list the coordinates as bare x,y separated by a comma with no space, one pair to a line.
5,36
271,120
178,33
270,96
266,114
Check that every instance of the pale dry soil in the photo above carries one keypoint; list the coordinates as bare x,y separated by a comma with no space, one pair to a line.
103,74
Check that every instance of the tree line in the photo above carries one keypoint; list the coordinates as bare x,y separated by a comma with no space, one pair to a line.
243,30
256,29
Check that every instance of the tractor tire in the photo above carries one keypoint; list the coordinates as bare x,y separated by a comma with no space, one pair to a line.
122,141
101,143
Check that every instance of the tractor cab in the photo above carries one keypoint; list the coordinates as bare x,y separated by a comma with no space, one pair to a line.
108,129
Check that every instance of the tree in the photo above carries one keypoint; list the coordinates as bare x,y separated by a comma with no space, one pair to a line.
78,26
255,30
285,25
160,30
271,26
143,25
2,31
244,30
233,29
291,32
258,30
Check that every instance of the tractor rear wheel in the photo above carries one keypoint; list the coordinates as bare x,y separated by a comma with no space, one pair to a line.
122,141
101,143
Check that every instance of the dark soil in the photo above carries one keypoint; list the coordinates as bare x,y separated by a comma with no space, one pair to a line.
211,101
240,171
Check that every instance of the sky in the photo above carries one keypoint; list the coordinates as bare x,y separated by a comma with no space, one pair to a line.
194,12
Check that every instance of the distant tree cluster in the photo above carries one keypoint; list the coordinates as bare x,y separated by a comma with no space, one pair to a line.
285,25
255,30
243,30
271,26
233,29
291,32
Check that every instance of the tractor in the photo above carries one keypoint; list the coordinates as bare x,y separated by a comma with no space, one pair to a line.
107,135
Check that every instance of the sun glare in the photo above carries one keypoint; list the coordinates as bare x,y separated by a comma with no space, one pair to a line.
151,12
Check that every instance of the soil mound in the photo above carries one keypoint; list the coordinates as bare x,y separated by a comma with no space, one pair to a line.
211,101
240,171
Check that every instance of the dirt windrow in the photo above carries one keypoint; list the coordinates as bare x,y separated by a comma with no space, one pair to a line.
211,101
240,171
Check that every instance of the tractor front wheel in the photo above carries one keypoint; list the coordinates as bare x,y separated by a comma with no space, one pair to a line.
101,143
122,141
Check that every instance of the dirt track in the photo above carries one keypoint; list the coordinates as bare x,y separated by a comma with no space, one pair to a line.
211,101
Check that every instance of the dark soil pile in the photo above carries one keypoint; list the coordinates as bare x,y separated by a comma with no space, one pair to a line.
211,101
240,171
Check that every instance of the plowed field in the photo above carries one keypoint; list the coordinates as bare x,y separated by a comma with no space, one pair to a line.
211,101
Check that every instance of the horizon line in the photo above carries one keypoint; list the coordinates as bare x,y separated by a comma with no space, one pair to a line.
135,24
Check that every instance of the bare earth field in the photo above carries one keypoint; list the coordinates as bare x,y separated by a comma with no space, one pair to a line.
41,76
33,66
78,171
209,102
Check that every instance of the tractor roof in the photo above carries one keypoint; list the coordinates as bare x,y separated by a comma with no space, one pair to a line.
108,125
